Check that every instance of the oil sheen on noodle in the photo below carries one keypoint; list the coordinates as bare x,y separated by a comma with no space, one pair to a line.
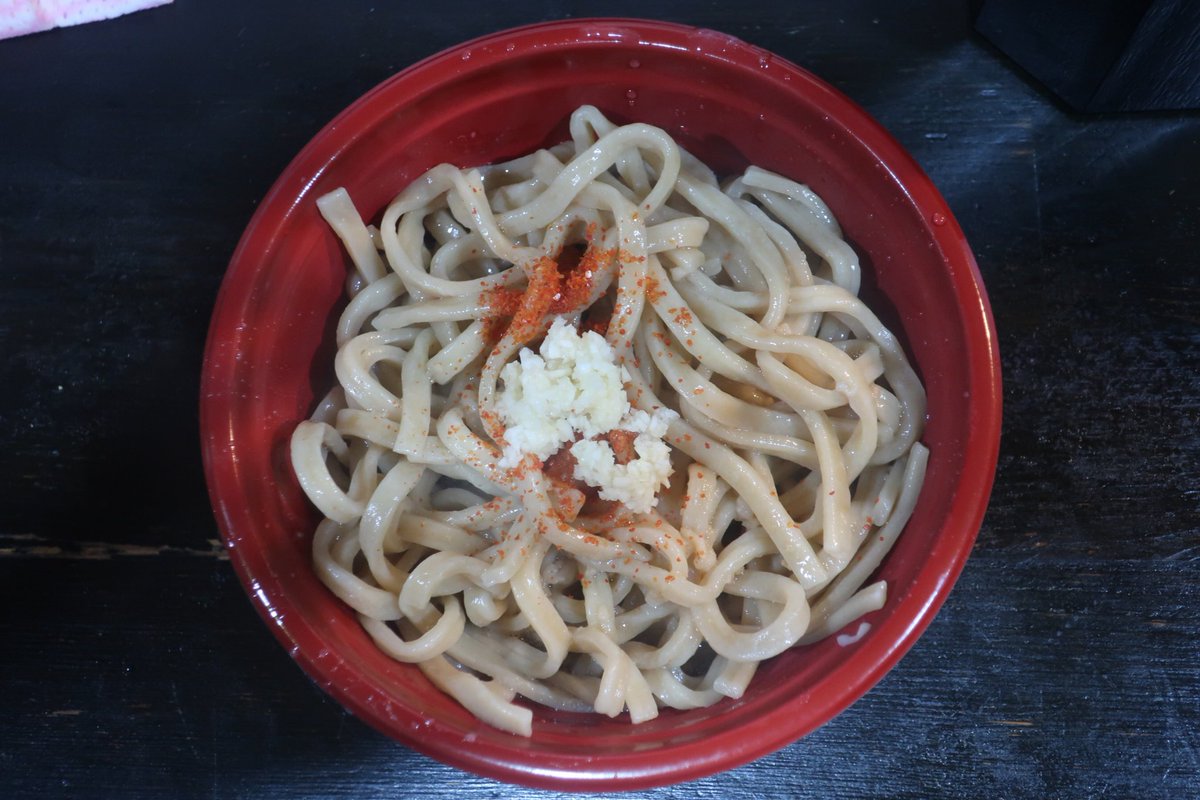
793,442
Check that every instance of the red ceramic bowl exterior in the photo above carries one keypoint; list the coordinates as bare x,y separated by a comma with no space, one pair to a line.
269,356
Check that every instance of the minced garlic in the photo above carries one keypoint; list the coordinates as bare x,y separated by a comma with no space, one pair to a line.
572,388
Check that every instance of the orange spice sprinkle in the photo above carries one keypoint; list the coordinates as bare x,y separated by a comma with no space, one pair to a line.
545,284
502,304
555,287
653,291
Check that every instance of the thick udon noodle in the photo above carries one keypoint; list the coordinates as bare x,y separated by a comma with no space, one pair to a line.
795,455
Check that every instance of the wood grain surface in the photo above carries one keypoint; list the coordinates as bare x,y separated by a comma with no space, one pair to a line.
1066,662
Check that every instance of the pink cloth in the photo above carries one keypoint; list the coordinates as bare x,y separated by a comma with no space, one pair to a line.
19,17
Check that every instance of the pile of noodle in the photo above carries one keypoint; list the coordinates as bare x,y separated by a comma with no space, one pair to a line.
795,455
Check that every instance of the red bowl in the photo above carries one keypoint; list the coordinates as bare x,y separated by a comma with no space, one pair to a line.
269,355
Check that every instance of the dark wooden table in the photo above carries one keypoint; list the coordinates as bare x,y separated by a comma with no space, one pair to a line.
1066,662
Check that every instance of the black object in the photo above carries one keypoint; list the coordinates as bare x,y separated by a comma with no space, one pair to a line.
1103,55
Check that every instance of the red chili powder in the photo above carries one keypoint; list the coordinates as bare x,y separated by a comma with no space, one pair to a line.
556,287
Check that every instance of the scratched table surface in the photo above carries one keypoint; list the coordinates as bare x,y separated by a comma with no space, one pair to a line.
1066,662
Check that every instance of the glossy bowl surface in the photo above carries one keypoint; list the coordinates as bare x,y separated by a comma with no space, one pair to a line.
269,356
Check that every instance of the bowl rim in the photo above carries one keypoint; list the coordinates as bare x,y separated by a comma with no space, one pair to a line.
680,762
